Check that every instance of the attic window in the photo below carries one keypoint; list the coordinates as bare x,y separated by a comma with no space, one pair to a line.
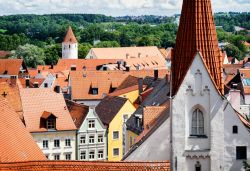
5,72
93,91
51,123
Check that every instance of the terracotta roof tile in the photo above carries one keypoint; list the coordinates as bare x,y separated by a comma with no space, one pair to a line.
10,66
109,107
37,100
70,37
150,113
126,52
16,142
82,81
86,166
196,33
32,82
12,95
78,112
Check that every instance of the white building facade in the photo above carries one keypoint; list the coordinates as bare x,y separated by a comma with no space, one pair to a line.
92,138
57,145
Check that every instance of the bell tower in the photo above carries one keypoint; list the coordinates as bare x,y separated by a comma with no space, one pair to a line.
70,46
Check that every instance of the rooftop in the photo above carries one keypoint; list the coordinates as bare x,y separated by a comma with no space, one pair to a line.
70,37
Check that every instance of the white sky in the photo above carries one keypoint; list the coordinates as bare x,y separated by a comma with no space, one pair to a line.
111,7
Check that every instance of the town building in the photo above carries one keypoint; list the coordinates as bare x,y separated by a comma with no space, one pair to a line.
13,67
114,112
70,46
48,120
17,145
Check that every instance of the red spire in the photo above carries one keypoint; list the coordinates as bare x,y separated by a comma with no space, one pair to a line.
196,33
70,37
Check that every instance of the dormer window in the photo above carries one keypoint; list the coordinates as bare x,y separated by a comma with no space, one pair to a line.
93,91
51,123
48,121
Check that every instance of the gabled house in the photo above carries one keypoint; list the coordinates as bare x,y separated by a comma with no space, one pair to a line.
92,138
48,120
114,112
17,145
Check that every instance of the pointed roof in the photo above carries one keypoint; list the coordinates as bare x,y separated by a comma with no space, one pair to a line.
196,33
70,37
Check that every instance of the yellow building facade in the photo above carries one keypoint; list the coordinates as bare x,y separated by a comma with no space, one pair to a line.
117,132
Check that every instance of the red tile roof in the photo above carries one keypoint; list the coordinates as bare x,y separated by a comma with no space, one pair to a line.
78,112
82,81
37,100
10,66
16,142
86,166
70,37
196,33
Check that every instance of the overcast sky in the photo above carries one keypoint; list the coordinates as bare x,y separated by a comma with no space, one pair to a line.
111,7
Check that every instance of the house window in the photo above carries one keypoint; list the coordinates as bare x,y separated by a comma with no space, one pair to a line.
83,155
67,142
91,155
57,157
197,166
197,123
91,123
100,138
51,123
235,129
100,154
91,139
115,151
57,143
82,140
45,85
94,91
116,135
241,152
45,144
68,156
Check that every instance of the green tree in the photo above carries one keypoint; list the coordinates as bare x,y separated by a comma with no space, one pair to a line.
149,41
107,44
246,166
52,54
83,50
233,51
31,54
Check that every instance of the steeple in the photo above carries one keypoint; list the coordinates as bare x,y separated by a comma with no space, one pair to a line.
196,33
70,46
70,37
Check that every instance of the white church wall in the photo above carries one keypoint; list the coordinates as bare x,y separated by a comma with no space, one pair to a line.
69,50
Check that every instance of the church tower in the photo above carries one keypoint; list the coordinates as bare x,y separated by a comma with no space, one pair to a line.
197,89
70,46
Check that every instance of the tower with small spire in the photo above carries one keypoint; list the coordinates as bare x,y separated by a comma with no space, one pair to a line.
70,45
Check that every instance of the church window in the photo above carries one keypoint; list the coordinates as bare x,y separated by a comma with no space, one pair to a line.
241,152
197,123
69,46
197,166
235,129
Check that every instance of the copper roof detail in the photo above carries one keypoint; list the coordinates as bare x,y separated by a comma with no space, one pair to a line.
70,37
196,33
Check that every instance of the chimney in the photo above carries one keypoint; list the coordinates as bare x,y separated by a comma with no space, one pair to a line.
35,84
13,80
56,75
139,55
51,66
27,83
57,89
39,71
140,85
124,63
119,65
127,56
156,74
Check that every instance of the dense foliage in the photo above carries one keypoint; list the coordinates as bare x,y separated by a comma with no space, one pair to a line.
47,32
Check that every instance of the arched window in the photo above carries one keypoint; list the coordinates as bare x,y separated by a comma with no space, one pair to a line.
197,166
197,123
